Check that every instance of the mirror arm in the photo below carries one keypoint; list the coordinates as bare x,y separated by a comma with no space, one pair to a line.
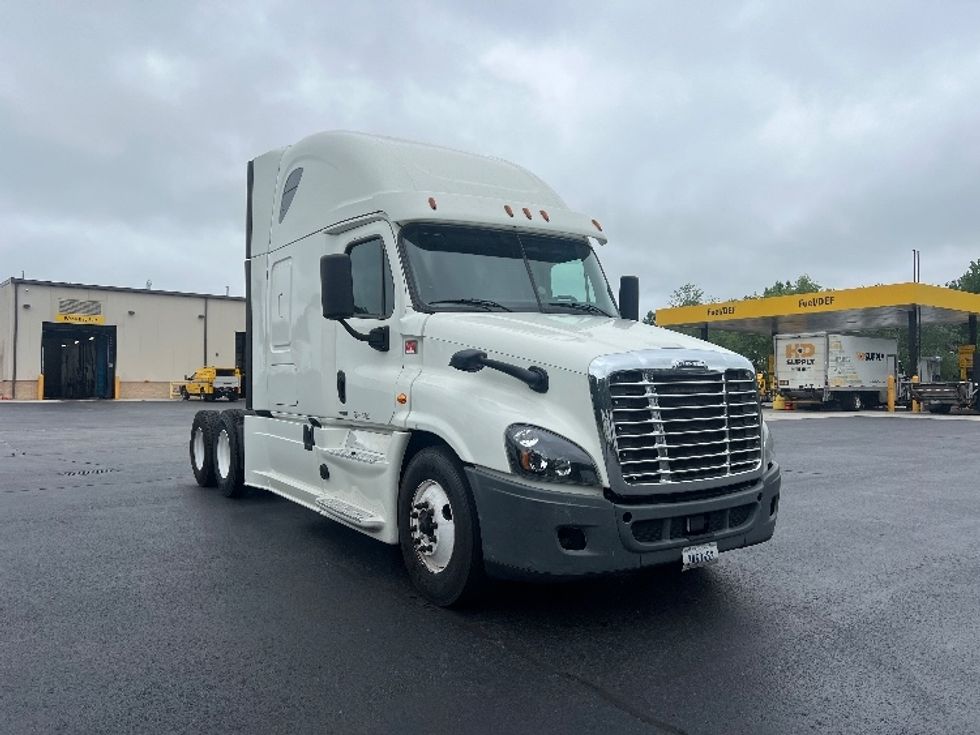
378,338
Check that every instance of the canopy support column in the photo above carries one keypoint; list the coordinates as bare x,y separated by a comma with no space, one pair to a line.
913,368
972,327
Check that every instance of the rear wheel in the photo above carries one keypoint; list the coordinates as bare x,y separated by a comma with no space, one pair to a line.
939,408
229,454
202,447
184,395
438,528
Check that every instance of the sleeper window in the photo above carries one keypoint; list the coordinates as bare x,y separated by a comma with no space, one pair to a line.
289,191
374,290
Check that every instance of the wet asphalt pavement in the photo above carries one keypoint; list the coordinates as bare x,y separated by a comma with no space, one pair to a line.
133,601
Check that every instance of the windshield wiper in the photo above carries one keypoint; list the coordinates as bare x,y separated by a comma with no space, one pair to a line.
487,304
581,306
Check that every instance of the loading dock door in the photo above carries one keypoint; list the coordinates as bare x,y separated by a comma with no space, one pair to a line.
78,360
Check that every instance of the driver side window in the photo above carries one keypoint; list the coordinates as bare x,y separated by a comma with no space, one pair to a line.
374,289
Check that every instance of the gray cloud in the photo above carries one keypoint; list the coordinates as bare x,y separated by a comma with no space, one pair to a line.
729,145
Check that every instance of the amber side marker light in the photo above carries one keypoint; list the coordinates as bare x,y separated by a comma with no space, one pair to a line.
402,399
527,212
597,225
432,202
508,210
544,216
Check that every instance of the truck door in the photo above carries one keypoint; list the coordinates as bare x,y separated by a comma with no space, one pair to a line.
366,378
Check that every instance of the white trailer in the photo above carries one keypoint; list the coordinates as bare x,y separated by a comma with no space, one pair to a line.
436,360
846,369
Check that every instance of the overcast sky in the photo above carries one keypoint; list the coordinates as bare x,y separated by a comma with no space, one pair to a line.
728,144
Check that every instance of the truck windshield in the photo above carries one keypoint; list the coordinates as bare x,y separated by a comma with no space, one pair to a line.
470,269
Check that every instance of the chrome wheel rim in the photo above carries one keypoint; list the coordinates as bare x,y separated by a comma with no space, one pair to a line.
432,526
199,448
222,453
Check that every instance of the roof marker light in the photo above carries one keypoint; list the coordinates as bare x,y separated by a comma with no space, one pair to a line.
508,210
544,216
527,212
432,202
597,225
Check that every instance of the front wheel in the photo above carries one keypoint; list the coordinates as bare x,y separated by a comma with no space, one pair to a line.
438,528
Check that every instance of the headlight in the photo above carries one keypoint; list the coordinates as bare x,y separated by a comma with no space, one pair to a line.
768,447
543,455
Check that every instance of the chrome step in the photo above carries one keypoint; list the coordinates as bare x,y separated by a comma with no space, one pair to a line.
348,513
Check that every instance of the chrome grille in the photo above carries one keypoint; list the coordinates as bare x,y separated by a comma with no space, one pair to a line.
683,426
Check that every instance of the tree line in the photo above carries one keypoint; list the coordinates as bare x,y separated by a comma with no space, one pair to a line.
937,339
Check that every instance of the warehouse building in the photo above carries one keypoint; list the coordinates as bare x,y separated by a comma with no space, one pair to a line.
70,340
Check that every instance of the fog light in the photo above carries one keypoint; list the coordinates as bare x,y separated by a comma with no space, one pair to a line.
571,538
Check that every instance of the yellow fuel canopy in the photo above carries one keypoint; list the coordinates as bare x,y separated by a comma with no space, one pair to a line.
846,310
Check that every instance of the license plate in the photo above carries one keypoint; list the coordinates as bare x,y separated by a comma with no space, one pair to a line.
699,556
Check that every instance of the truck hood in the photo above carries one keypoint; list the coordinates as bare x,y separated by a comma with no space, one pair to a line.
563,341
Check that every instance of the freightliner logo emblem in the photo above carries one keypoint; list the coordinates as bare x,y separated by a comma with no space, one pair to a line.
689,365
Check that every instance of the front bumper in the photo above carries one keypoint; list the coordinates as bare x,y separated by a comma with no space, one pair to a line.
520,526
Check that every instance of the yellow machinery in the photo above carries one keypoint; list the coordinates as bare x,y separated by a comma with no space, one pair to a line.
211,383
966,361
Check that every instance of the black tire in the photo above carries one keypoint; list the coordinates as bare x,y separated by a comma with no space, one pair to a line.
207,396
230,475
201,447
184,395
940,408
463,575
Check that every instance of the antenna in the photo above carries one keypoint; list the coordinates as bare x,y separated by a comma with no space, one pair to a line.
149,284
227,290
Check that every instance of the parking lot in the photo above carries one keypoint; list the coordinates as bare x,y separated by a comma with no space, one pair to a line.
132,600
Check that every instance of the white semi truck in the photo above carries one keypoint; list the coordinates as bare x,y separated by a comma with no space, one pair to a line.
845,369
436,360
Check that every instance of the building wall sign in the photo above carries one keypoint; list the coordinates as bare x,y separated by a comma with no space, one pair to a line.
80,318
78,311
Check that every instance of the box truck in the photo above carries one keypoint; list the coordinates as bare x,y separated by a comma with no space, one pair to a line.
844,369
436,360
